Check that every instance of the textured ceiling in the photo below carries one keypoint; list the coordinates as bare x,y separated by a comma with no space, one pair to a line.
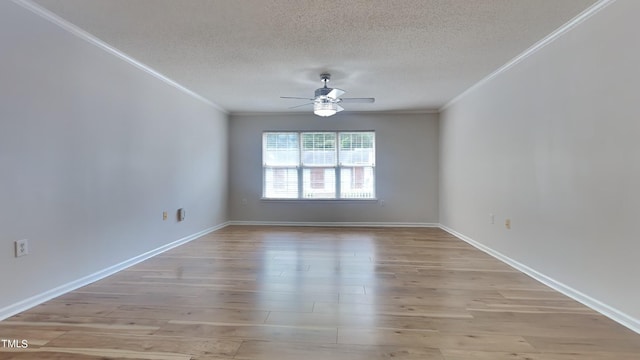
411,55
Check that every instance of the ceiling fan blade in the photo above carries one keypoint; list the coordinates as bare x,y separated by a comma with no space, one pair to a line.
297,106
357,100
294,97
335,93
339,108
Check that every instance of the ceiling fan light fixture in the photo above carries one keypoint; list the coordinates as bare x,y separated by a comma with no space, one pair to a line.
326,99
324,107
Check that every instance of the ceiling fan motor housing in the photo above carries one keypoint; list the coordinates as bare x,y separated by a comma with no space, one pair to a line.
323,91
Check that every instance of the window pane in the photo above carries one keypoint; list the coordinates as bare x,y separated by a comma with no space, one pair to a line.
319,149
357,182
280,149
319,183
281,183
357,148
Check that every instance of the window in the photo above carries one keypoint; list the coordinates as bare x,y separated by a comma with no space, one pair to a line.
318,165
281,158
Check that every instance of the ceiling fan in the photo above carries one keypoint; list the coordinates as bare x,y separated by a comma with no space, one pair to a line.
326,100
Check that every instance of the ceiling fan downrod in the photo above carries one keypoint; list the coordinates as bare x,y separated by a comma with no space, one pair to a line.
325,77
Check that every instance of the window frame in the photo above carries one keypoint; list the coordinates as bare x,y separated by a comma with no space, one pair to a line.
337,168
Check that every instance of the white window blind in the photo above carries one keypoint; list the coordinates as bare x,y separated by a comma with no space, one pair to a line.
280,157
319,165
319,161
357,161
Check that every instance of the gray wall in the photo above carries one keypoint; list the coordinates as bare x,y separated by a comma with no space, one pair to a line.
553,144
406,169
92,150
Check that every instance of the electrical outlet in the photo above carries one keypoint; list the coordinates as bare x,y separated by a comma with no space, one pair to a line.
22,247
507,223
492,218
164,215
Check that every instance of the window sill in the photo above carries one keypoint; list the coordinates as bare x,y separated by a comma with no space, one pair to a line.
318,200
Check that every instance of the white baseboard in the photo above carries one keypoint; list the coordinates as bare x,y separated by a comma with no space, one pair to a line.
28,303
604,309
332,224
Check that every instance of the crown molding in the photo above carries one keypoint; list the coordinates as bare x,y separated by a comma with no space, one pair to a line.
69,27
586,14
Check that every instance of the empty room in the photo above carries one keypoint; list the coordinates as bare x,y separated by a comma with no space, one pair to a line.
275,179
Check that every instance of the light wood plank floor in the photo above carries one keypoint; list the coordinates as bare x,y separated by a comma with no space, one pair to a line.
262,293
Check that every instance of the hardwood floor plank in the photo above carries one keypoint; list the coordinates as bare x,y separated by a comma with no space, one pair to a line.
454,354
351,320
50,322
537,294
268,350
443,310
46,353
563,344
158,345
244,316
432,339
306,334
35,336
451,354
398,295
76,309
